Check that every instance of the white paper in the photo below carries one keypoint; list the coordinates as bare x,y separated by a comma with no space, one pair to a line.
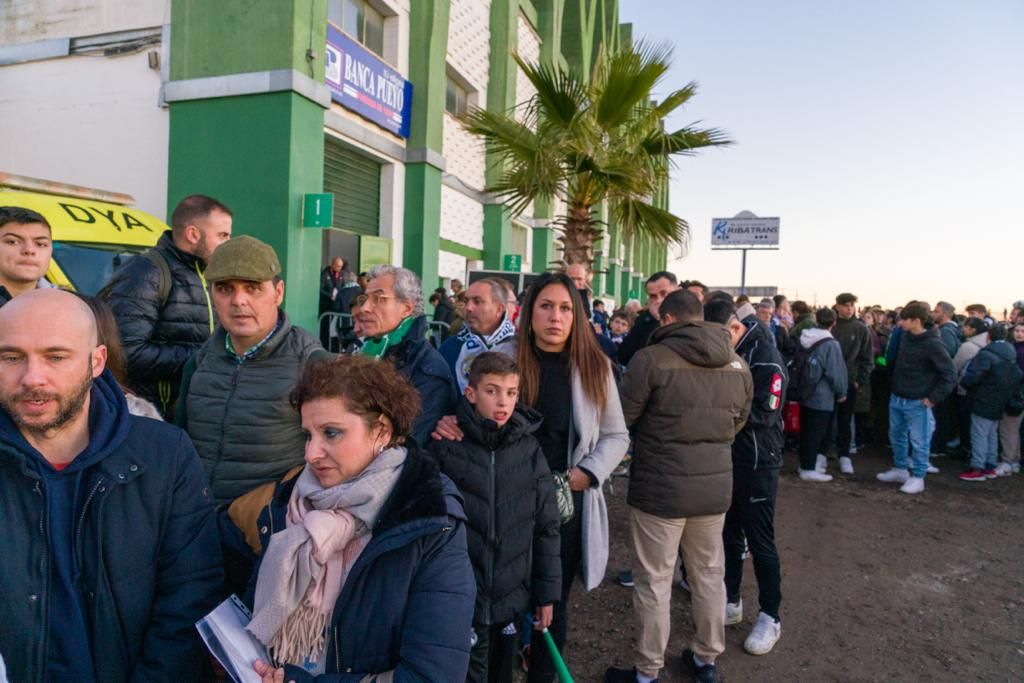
223,631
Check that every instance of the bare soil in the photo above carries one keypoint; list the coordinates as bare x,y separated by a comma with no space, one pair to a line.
877,585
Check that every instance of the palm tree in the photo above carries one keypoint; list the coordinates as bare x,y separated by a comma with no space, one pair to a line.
587,140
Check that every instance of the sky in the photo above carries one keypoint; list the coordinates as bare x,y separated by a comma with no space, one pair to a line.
887,136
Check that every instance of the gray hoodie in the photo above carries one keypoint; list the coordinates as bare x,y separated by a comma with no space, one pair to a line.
827,370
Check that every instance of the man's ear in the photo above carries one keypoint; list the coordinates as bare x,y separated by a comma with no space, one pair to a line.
99,360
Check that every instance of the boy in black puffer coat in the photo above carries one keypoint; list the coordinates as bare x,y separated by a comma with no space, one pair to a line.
513,521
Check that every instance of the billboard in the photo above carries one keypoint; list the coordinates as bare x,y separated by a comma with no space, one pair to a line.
360,81
745,232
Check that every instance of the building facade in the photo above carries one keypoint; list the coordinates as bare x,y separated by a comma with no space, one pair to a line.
261,103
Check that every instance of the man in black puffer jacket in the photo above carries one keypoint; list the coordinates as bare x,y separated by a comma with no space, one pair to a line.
160,300
756,460
513,521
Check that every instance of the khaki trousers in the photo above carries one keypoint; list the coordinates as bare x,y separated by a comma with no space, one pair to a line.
657,542
1009,436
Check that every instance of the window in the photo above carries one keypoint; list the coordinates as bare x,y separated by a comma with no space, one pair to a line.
361,21
456,98
90,267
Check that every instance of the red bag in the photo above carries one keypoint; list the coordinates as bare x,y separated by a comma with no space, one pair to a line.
791,417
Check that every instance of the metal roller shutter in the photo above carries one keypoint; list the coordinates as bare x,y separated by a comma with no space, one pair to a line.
355,182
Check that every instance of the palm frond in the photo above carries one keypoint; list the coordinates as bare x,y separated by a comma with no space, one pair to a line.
561,95
639,217
628,78
685,141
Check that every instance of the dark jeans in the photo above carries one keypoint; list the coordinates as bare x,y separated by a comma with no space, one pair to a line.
946,419
542,670
963,410
814,431
493,658
844,414
752,515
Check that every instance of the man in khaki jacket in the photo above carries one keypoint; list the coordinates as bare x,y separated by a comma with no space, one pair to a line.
686,396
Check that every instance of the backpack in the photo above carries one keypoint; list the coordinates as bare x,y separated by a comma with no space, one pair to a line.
158,260
801,388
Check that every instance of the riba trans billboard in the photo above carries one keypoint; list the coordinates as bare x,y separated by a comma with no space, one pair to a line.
362,82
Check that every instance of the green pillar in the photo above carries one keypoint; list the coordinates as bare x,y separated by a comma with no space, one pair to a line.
501,97
428,47
613,283
258,153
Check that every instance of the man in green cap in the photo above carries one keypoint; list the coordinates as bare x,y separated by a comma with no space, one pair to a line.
234,394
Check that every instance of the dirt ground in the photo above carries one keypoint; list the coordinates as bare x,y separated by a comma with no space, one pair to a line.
877,585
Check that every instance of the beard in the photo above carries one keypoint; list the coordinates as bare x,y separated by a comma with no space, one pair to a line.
69,405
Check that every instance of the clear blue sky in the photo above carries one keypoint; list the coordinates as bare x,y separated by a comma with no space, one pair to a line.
888,136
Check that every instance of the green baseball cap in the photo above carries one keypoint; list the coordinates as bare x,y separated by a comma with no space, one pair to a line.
243,258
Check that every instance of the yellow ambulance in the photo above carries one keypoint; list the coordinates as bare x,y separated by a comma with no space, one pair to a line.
95,232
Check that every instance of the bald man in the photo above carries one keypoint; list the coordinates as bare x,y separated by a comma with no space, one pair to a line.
110,545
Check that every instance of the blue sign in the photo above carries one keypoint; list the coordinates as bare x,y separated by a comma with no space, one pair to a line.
360,81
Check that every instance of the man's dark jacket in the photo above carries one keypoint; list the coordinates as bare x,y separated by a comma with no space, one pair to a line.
159,337
951,336
238,414
415,358
686,396
639,337
512,517
146,556
990,379
759,444
407,603
328,283
923,368
855,340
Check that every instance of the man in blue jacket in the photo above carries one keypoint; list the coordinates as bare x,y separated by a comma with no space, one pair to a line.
110,547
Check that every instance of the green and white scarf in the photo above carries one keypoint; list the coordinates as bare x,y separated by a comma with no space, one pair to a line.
376,347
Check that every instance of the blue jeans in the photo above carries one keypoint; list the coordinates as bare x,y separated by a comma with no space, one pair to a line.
911,425
984,442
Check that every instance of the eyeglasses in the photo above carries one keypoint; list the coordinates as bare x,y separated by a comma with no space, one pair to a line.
376,299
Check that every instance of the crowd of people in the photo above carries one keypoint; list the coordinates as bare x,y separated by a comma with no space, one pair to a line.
419,509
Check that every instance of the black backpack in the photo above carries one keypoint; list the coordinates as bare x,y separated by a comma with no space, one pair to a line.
801,388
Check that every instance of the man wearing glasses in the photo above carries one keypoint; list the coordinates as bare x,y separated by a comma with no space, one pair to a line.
394,329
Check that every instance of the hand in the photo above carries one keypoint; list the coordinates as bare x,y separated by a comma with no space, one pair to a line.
578,480
542,617
447,428
927,403
269,673
856,385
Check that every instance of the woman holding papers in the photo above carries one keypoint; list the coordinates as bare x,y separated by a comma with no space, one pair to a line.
364,567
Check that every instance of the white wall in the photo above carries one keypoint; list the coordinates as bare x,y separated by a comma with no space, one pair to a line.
93,121
26,21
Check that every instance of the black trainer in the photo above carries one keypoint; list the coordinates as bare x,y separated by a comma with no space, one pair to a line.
613,675
702,674
625,578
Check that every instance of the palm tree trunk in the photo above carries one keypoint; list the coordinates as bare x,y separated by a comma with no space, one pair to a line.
579,236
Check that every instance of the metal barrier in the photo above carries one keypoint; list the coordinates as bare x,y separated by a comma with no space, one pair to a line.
437,330
340,329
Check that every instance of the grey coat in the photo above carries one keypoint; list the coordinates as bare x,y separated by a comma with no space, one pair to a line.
603,441
827,370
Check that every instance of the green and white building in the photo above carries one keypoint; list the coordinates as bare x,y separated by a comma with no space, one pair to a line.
263,102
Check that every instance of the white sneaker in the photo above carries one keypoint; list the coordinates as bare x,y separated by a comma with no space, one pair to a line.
764,636
894,476
932,469
814,475
1015,468
1004,469
733,612
913,485
846,465
821,463
853,450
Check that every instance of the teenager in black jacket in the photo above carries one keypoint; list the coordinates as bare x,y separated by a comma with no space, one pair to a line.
513,520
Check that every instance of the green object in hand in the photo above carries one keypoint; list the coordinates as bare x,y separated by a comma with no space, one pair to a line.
560,668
